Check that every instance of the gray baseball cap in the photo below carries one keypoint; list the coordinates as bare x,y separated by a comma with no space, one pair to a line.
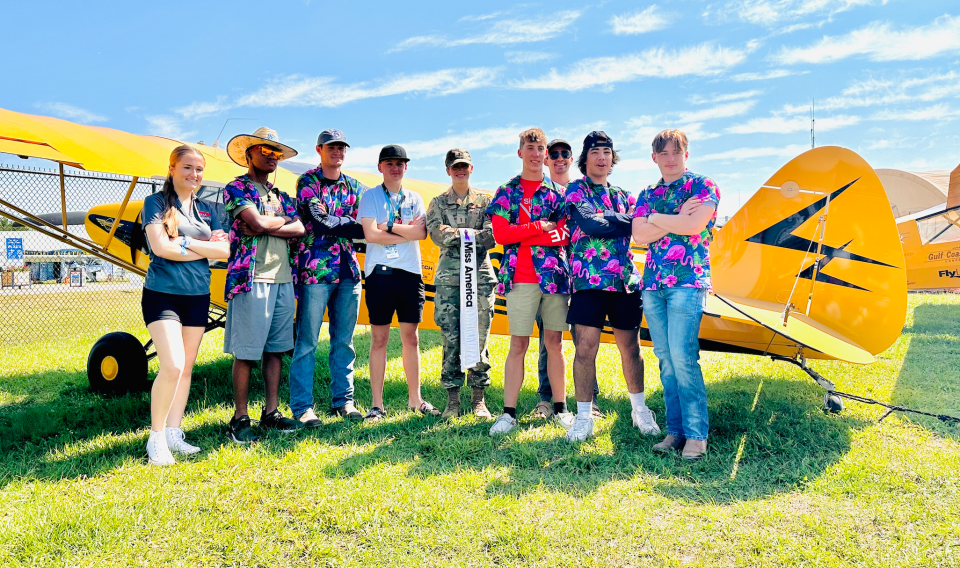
556,141
331,136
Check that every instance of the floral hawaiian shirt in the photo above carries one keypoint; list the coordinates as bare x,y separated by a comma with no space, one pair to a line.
678,260
319,256
598,263
551,265
243,249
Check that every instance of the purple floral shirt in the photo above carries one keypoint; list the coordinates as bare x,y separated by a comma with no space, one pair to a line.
600,263
319,256
243,249
678,260
550,262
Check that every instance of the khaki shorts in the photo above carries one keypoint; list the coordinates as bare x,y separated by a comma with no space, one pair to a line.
523,303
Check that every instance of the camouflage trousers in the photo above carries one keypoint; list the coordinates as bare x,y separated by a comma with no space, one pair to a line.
446,314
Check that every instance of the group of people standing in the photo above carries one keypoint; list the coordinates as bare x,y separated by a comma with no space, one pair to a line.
567,265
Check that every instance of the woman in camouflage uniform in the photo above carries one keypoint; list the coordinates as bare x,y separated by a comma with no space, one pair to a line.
461,207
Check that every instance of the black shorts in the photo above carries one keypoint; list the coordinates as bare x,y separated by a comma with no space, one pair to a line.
190,311
391,290
593,307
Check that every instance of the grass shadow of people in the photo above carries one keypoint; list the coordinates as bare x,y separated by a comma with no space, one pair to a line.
928,376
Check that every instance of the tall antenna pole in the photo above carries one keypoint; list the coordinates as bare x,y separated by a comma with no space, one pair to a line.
813,123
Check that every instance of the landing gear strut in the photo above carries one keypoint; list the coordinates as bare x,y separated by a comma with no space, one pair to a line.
831,402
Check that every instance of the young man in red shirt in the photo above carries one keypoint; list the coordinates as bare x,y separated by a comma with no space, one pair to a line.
528,220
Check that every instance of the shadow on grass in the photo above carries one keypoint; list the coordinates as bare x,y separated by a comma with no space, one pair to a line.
928,377
756,448
62,430
782,442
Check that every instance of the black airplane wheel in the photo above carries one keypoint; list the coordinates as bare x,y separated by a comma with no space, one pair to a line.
832,403
117,364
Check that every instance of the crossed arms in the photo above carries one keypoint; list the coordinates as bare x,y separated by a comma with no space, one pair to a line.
694,216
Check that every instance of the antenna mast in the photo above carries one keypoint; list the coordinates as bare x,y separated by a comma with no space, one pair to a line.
813,123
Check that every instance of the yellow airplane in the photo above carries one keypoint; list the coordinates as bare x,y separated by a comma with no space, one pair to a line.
810,267
931,242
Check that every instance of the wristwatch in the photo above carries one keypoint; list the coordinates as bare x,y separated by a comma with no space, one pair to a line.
390,227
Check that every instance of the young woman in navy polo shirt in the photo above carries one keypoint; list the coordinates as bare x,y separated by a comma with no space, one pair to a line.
183,233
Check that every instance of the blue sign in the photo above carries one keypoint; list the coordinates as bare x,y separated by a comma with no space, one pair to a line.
14,249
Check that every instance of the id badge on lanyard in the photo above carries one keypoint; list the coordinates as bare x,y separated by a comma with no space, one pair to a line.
394,212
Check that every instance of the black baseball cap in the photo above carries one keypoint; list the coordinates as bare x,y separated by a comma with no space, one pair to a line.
393,152
597,139
556,141
331,136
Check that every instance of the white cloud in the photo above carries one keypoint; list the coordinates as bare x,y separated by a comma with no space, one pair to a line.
720,111
521,57
70,112
763,76
937,112
873,92
779,124
753,153
473,141
503,32
168,127
773,12
880,42
300,91
700,99
701,60
480,18
201,109
640,22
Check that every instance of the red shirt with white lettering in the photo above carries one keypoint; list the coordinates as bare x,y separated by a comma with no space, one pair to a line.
527,234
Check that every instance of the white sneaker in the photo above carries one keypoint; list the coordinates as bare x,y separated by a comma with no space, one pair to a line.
646,421
157,450
504,424
176,443
582,428
564,419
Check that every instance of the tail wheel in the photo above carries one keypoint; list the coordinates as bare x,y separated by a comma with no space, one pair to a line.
117,364
832,403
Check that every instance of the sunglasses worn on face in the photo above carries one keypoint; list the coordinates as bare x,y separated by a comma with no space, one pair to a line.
555,155
271,153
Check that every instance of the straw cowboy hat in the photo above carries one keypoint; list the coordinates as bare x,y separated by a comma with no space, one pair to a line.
238,145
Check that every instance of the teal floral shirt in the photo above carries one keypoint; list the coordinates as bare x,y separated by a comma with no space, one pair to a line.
600,262
550,262
320,255
678,260
243,249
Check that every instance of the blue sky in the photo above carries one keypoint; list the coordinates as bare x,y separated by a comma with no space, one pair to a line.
737,75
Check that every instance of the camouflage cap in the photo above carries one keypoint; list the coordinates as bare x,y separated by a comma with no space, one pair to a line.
457,156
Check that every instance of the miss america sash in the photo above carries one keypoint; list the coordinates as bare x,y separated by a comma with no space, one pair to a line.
469,313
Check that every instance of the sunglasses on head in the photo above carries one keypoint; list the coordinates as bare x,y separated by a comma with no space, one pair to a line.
555,154
270,152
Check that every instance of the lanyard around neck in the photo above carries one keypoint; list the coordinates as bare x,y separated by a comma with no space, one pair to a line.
390,208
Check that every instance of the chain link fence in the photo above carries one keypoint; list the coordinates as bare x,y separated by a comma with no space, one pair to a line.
49,290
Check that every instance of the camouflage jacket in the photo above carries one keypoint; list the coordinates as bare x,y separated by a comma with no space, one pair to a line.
445,215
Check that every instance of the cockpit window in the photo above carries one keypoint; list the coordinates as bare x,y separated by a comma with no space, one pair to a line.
943,228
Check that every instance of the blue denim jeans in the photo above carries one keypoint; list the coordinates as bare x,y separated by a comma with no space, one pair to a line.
673,317
343,300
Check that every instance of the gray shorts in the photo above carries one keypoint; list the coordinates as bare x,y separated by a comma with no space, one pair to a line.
260,321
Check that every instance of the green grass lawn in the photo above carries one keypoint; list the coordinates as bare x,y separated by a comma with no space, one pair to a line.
783,484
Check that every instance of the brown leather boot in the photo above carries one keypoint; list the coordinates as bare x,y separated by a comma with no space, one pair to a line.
478,405
453,403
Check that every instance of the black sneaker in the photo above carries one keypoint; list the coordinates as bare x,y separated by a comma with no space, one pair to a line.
348,410
279,422
375,415
240,431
